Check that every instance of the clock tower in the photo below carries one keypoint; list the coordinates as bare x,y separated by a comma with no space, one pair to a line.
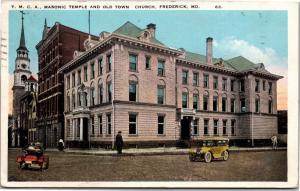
21,74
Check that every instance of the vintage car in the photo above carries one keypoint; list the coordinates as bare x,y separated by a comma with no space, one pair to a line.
209,149
33,158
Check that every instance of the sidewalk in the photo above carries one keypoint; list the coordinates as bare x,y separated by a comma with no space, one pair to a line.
157,151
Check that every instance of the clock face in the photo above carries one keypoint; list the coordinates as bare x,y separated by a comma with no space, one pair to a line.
23,66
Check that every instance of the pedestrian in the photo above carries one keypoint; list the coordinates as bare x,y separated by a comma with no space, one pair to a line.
119,142
274,141
61,144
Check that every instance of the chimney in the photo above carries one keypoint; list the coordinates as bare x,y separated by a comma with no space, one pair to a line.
209,51
151,27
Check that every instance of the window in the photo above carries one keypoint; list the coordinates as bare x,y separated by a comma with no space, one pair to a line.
93,96
185,75
224,104
215,103
132,124
78,128
147,62
68,102
73,99
132,91
160,94
257,105
68,82
85,102
232,105
92,70
257,85
195,101
243,104
232,127
232,82
224,84
206,126
270,88
79,77
85,73
270,106
206,81
215,82
100,94
109,91
205,102
195,127
195,79
132,62
108,63
73,80
242,85
108,119
161,124
79,98
93,125
100,66
264,85
216,127
100,124
161,68
184,100
224,127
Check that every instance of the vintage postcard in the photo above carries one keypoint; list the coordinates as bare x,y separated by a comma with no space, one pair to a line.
178,94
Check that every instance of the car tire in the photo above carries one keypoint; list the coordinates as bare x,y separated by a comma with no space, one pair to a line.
192,158
225,155
207,157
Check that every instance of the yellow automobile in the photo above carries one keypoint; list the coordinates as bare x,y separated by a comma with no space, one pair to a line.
209,149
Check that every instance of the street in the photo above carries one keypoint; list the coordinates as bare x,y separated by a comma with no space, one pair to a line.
241,166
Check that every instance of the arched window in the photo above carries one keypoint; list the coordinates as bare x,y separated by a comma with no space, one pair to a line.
73,99
79,98
68,101
109,89
85,99
100,92
133,88
224,103
23,79
195,99
92,94
205,101
232,103
185,98
215,101
270,105
257,104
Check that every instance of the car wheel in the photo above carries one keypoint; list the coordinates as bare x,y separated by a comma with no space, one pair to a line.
225,155
207,157
20,165
192,158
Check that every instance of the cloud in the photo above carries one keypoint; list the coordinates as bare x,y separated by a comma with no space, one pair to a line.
231,47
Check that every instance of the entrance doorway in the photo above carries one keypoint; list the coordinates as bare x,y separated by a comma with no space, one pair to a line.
185,128
85,129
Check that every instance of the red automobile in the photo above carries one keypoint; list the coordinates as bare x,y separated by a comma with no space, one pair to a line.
33,158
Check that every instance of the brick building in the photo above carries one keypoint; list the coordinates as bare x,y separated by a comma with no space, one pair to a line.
54,50
129,81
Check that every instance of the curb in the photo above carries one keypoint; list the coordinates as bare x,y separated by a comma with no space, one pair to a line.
182,152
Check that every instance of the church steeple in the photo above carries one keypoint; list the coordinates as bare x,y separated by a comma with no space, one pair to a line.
22,45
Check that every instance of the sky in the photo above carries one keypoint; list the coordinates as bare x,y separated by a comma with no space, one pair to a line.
260,36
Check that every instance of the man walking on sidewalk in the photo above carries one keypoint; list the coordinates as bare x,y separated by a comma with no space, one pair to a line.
119,142
274,141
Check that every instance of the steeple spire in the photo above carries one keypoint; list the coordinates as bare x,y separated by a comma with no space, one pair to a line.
22,38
